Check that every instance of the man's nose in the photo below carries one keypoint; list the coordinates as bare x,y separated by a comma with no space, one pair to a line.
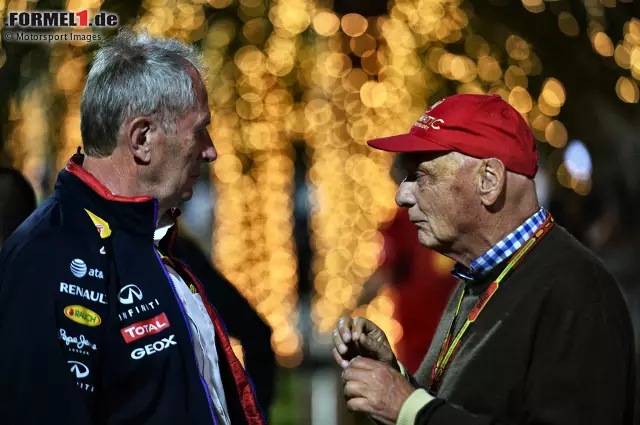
404,195
209,153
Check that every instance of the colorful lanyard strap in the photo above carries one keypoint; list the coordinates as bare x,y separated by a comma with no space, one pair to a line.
448,348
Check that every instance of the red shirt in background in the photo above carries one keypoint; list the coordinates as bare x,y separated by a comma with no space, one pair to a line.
422,283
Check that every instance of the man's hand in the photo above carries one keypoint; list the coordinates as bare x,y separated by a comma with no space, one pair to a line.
361,337
376,389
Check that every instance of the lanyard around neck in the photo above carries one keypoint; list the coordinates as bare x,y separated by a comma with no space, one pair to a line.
448,347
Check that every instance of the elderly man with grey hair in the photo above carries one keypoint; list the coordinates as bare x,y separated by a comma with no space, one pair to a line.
99,323
537,331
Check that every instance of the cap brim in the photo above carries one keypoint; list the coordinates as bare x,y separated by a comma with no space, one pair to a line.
407,143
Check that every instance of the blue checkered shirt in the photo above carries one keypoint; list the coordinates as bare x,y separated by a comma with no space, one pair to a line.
502,250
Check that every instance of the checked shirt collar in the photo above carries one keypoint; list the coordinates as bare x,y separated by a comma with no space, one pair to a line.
502,250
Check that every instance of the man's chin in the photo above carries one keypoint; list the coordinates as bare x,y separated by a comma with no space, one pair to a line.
427,240
186,196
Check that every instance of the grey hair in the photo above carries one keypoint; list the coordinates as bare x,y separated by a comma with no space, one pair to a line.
135,74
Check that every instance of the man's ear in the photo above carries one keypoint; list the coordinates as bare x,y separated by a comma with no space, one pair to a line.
140,134
491,181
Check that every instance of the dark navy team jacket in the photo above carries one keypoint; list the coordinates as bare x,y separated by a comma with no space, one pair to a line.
91,329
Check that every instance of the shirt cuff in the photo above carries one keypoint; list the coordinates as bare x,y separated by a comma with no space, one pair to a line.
403,371
412,406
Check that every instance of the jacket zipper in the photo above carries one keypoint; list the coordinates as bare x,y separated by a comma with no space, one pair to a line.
184,316
224,327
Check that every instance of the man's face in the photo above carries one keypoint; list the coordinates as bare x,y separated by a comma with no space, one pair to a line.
183,153
436,192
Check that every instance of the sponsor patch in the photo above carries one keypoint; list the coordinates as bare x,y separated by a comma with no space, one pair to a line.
79,269
153,348
89,295
81,371
138,309
82,315
77,344
144,328
101,226
129,294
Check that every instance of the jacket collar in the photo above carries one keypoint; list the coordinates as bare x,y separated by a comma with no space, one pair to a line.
82,194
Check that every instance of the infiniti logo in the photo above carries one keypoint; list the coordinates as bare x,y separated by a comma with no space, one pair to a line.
128,293
79,369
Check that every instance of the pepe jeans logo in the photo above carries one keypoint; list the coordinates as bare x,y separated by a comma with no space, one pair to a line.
82,315
76,344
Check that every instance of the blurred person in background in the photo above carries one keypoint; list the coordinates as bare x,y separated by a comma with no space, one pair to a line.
614,234
537,331
17,201
105,326
420,279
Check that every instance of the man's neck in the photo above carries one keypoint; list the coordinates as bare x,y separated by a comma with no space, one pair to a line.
120,178
117,176
487,233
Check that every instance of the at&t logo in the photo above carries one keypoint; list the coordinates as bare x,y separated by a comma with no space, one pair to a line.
79,269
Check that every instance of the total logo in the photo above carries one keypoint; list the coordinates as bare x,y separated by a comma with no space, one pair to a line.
79,269
84,293
79,344
151,349
146,327
81,371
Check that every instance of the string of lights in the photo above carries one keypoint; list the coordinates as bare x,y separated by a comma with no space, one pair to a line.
627,51
287,72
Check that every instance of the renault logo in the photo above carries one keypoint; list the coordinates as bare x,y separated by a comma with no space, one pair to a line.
128,293
79,369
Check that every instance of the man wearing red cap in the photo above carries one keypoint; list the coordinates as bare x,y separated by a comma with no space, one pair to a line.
537,331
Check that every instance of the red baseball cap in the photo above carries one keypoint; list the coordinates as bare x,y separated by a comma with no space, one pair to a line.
477,125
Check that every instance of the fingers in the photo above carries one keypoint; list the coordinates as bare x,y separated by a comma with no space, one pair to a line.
376,346
357,372
354,389
345,325
338,358
342,335
359,327
364,363
359,404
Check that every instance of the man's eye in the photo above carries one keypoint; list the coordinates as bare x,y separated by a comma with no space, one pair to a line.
415,175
